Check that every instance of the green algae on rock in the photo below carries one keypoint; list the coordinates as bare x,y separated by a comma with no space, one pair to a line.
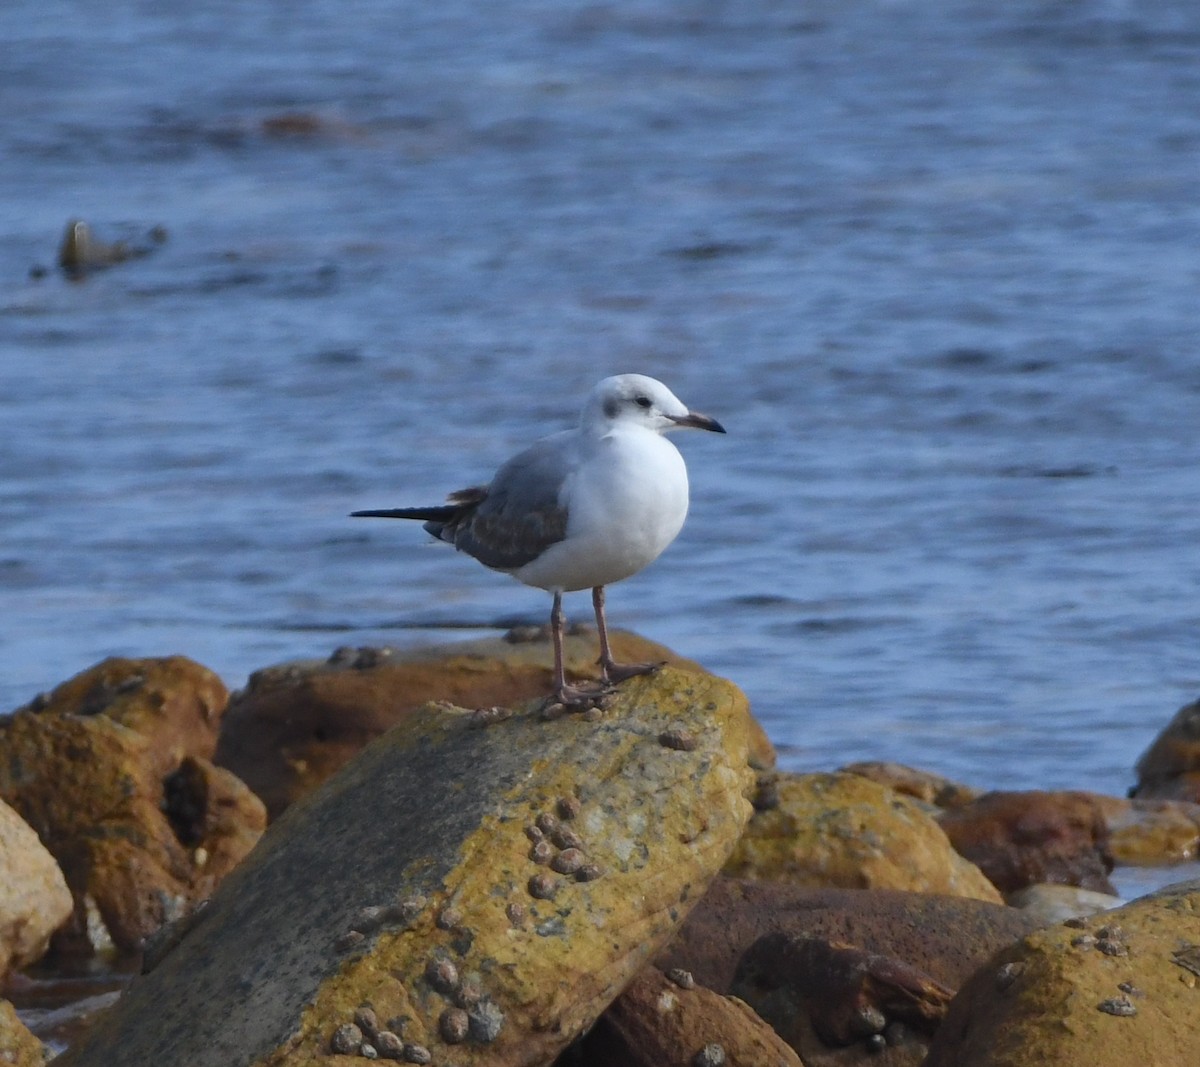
395,905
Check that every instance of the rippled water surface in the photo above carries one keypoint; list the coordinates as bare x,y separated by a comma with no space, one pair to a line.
934,265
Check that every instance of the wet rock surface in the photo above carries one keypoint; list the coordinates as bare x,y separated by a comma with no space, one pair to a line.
848,831
1108,991
1048,904
295,724
1025,838
93,788
34,899
396,900
81,252
666,1021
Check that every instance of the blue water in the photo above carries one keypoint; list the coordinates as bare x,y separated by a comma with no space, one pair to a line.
935,265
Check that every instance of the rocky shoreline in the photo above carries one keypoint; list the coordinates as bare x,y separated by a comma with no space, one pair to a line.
403,857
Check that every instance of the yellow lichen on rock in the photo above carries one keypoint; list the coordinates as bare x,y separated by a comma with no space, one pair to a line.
563,891
1118,988
844,830
477,885
18,1047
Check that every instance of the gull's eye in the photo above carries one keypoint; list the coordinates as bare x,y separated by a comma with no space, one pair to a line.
644,402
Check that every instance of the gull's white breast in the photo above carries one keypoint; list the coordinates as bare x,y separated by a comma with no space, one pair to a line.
626,502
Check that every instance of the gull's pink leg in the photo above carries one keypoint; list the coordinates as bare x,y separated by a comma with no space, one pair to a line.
568,696
612,672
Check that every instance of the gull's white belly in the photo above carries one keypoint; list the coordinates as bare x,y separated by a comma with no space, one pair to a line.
626,504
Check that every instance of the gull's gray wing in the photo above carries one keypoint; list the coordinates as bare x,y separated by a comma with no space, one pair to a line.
520,515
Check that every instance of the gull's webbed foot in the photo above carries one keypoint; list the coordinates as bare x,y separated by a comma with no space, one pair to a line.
568,698
615,673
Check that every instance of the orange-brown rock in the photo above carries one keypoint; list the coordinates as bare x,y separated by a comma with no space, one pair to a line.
1023,838
1148,833
34,899
825,998
296,724
1170,768
174,702
479,884
848,831
1112,990
669,1022
946,936
943,938
89,786
18,1047
929,788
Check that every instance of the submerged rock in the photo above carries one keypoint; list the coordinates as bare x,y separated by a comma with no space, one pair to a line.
846,830
82,252
1115,989
296,724
402,897
34,899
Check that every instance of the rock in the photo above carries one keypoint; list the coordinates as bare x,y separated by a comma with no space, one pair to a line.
1108,991
57,1027
1170,768
1048,904
81,252
417,854
173,702
1147,833
89,787
34,899
943,938
822,997
846,830
18,1047
946,936
1021,839
931,789
296,724
657,1022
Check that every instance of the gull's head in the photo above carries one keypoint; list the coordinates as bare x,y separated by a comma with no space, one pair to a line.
629,400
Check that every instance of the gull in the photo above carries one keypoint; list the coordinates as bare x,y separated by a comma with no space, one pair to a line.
579,509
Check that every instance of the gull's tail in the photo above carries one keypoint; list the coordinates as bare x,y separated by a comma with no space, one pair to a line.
437,513
441,520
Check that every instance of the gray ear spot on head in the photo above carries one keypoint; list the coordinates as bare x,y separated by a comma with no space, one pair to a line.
611,406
